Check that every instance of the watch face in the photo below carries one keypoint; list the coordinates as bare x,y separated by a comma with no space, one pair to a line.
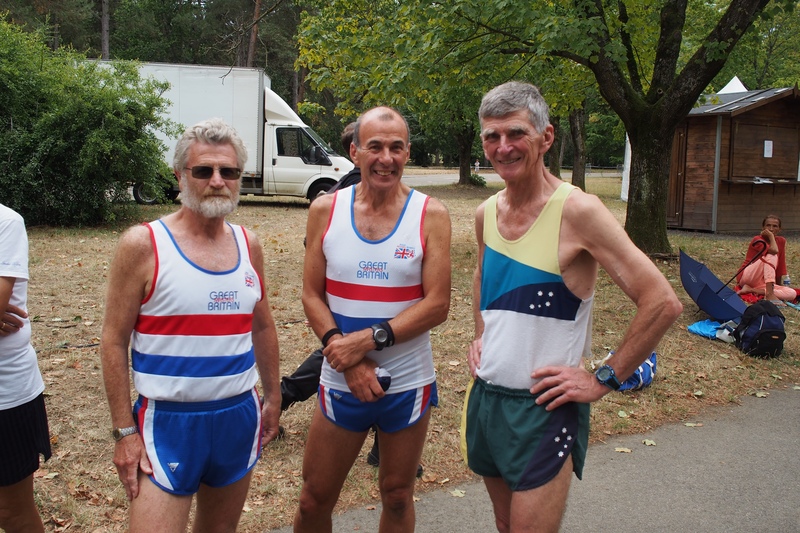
380,335
603,373
116,434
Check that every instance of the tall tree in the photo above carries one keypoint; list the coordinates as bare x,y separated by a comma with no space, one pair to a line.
105,25
647,77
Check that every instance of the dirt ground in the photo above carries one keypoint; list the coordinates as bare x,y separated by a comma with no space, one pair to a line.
78,490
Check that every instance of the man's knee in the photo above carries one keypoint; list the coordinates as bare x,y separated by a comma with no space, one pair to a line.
314,503
397,499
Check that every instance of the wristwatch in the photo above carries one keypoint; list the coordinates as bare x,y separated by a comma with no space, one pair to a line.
380,336
121,433
606,375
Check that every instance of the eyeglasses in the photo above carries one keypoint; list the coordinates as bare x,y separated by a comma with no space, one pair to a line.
204,172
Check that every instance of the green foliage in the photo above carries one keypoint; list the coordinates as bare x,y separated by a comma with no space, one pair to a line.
768,56
74,134
477,180
62,22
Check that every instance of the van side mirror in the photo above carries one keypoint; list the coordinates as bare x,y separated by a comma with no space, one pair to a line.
315,155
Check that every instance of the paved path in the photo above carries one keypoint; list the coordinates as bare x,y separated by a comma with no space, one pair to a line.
737,473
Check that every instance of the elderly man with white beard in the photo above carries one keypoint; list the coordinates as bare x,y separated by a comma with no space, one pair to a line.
187,299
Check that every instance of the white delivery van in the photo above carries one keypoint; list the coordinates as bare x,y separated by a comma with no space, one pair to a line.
285,157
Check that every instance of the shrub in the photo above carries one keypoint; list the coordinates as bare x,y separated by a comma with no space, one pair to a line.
74,134
477,180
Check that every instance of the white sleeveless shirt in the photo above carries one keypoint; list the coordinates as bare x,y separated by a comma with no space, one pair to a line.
368,282
192,340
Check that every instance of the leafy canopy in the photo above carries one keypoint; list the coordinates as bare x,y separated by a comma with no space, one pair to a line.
74,134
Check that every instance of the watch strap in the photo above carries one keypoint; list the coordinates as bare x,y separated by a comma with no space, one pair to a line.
606,375
328,334
121,433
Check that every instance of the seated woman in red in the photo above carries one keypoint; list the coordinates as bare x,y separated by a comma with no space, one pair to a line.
760,276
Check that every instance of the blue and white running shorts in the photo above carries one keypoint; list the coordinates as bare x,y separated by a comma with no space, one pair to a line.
215,443
391,413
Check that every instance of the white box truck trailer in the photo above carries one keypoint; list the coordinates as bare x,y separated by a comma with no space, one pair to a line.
285,156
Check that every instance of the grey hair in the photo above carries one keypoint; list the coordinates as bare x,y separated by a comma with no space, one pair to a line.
516,96
211,131
384,114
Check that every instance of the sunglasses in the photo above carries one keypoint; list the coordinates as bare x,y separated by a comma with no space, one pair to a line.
204,172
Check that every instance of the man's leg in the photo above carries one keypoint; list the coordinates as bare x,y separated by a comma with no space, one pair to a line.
304,382
400,452
537,510
155,508
329,455
500,495
18,512
219,509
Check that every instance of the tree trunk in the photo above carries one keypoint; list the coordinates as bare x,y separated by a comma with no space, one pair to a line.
557,149
464,139
646,221
577,126
251,49
104,32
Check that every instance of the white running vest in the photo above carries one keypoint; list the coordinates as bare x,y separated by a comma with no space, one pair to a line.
192,341
531,319
368,282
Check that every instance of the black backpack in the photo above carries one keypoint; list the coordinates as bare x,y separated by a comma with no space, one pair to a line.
760,332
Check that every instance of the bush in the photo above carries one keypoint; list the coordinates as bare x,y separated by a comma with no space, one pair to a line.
477,180
74,134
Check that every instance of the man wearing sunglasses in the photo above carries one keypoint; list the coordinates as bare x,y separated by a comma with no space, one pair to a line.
186,295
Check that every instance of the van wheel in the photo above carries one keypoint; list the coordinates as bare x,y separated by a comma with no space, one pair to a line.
318,189
144,195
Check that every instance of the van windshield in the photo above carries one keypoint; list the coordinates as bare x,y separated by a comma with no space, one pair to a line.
321,141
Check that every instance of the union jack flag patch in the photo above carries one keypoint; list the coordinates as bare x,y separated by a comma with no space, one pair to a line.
404,252
249,279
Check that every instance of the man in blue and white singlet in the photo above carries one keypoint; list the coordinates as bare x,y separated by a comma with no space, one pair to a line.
187,296
376,279
540,243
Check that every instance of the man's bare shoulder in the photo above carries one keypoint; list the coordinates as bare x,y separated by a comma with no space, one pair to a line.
585,210
321,205
252,237
436,208
136,239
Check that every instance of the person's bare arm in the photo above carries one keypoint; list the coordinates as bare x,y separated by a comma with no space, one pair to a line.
588,227
128,281
476,346
265,346
10,317
314,268
772,245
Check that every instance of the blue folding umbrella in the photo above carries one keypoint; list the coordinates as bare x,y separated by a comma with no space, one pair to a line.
718,300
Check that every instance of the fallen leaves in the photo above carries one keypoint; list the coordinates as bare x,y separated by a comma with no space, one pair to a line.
649,442
620,449
458,493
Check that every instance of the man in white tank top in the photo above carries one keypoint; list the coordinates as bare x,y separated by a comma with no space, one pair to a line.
540,243
186,296
376,279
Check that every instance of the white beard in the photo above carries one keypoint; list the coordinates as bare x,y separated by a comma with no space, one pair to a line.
209,206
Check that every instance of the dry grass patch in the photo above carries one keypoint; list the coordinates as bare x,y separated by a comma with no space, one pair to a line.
78,488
